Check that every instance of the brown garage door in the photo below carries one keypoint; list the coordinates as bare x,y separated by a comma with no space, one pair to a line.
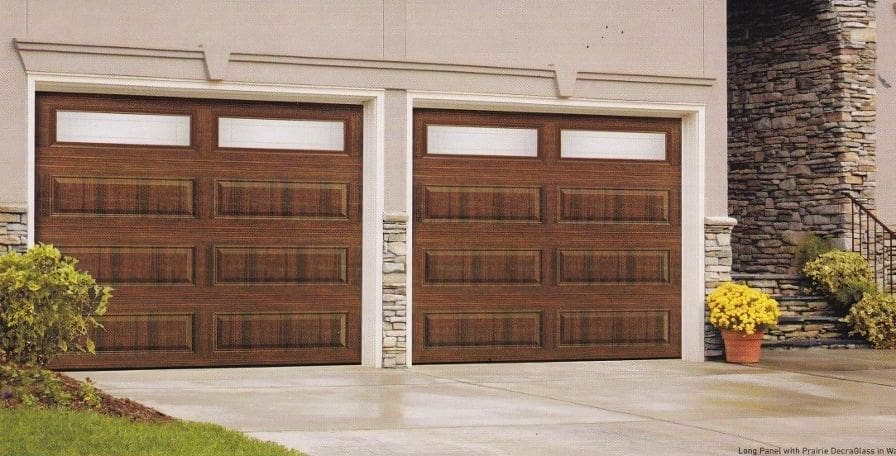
545,237
231,231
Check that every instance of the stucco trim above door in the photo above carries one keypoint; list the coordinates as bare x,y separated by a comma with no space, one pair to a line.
212,62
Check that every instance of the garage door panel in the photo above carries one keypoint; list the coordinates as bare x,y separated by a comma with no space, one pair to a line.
47,109
115,165
135,265
546,257
104,230
593,267
85,195
482,267
141,332
109,155
283,330
287,199
553,236
600,205
243,256
280,265
597,297
500,172
482,329
611,327
481,203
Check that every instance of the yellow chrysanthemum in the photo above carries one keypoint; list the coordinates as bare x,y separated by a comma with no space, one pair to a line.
740,308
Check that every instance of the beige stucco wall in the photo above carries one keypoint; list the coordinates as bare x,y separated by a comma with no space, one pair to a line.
13,106
886,111
635,50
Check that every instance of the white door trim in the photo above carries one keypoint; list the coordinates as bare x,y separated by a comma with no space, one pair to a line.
693,175
371,99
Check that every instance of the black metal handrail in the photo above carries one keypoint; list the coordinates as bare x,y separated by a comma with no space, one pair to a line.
874,240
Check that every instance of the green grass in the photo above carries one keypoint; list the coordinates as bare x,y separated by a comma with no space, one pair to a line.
41,432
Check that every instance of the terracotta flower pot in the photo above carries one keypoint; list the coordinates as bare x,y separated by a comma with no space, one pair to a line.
740,347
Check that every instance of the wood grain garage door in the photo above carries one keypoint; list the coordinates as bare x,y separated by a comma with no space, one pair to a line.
545,237
231,231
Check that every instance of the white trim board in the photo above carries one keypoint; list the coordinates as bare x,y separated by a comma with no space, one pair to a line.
693,175
371,99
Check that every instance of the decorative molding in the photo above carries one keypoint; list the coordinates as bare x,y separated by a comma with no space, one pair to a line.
566,81
217,59
720,221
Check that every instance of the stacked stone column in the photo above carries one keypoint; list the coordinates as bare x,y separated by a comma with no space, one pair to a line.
395,302
13,228
717,249
801,111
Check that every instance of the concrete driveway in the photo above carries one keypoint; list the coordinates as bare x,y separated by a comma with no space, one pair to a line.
829,399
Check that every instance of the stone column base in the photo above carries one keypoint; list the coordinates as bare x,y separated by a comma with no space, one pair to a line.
717,248
13,228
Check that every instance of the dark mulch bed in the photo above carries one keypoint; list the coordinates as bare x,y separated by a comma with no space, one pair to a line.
116,406
108,405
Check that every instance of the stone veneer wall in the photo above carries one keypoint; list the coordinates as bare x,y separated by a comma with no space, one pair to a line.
13,228
801,111
395,302
718,258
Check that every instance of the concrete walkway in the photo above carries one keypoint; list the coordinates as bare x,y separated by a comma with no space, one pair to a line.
813,399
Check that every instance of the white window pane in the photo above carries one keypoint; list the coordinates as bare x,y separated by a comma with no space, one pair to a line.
281,134
116,128
612,144
505,142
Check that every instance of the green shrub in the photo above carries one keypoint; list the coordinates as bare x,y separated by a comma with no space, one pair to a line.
32,385
874,318
89,394
842,276
47,306
852,292
811,247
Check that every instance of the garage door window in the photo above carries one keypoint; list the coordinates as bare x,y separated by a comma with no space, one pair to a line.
618,145
117,128
281,134
503,142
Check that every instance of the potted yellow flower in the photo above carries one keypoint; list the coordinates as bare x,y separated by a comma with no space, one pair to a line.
742,314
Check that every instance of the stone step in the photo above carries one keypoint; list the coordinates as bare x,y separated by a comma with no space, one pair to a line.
819,319
799,298
807,320
775,284
788,344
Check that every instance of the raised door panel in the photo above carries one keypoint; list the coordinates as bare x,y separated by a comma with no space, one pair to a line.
592,205
121,266
482,329
308,200
120,196
631,327
280,265
588,267
266,331
481,204
145,332
482,267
